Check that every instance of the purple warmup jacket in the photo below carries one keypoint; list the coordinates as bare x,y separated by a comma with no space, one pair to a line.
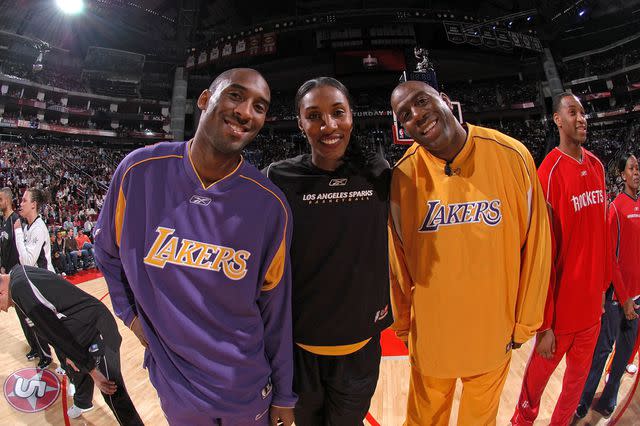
207,272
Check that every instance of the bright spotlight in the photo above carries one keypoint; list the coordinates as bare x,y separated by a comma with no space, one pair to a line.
70,7
582,12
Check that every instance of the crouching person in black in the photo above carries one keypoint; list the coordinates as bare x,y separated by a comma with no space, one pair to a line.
82,331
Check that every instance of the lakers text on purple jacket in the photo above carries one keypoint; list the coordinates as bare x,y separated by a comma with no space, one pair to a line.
207,272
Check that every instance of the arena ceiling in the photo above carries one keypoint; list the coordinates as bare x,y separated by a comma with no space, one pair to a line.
161,26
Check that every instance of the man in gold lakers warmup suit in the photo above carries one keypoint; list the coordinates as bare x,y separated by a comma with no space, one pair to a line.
470,255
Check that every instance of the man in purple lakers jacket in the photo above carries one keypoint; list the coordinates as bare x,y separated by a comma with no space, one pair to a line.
194,246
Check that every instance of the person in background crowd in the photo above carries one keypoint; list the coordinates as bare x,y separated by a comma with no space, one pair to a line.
619,324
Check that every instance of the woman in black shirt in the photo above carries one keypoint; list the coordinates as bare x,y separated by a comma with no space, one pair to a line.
339,254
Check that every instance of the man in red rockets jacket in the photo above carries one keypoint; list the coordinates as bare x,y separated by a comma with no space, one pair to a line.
573,183
619,323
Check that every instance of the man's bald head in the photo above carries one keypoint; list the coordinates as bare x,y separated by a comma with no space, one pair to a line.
413,85
231,74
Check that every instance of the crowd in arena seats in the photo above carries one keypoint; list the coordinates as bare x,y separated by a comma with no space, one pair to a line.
71,79
15,69
603,64
473,96
532,133
64,78
518,93
371,101
608,143
265,149
153,88
114,88
600,63
492,96
632,57
75,180
582,90
281,107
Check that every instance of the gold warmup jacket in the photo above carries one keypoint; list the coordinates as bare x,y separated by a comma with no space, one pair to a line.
470,254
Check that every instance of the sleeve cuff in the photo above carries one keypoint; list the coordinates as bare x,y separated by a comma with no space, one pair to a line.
284,401
523,333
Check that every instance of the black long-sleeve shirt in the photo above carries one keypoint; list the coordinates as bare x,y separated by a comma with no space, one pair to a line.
339,251
67,316
8,252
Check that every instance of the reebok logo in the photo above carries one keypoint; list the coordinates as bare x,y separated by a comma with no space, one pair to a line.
338,182
200,200
381,314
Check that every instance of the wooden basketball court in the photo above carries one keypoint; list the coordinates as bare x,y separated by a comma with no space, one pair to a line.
387,408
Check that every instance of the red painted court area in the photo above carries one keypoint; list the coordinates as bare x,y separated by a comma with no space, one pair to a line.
391,345
84,276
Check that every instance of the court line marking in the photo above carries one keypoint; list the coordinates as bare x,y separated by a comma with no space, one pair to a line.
64,401
371,420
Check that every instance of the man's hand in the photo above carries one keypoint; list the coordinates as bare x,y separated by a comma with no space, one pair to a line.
136,327
629,309
106,386
282,414
546,344
17,224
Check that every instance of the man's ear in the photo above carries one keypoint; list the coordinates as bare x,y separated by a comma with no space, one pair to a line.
446,100
203,99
